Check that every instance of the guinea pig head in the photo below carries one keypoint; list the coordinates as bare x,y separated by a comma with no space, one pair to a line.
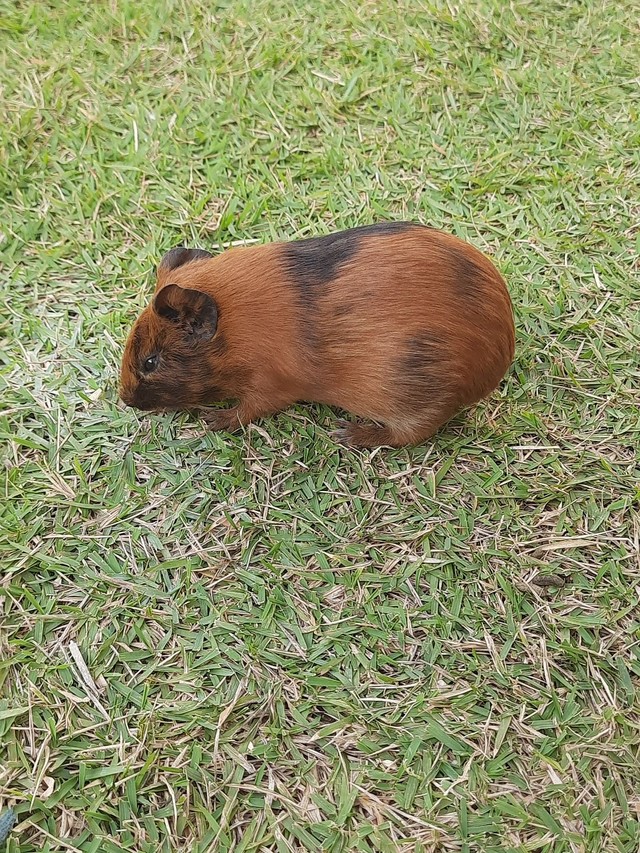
169,360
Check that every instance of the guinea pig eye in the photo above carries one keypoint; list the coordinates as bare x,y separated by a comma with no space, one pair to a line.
150,364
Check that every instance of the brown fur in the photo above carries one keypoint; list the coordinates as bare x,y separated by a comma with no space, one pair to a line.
398,324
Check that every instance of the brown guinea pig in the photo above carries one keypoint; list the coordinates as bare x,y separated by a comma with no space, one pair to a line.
397,323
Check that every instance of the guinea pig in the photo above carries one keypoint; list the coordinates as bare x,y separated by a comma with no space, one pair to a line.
397,323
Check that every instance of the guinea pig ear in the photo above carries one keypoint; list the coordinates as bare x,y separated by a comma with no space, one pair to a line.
179,256
195,312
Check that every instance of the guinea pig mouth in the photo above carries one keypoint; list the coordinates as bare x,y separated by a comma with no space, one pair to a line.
134,403
136,400
126,396
130,398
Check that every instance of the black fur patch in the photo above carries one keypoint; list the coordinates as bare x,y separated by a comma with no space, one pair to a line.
423,352
344,309
471,276
181,255
422,367
316,261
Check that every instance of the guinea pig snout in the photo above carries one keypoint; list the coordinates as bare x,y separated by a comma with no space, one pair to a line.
129,392
126,397
138,398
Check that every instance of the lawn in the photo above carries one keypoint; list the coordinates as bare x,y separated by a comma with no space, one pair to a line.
264,641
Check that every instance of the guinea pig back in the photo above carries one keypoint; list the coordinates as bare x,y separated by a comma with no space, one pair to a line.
396,323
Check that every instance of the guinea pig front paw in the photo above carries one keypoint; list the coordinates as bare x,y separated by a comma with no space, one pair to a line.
223,420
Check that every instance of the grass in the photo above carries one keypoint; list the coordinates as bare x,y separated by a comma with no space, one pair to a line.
264,642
